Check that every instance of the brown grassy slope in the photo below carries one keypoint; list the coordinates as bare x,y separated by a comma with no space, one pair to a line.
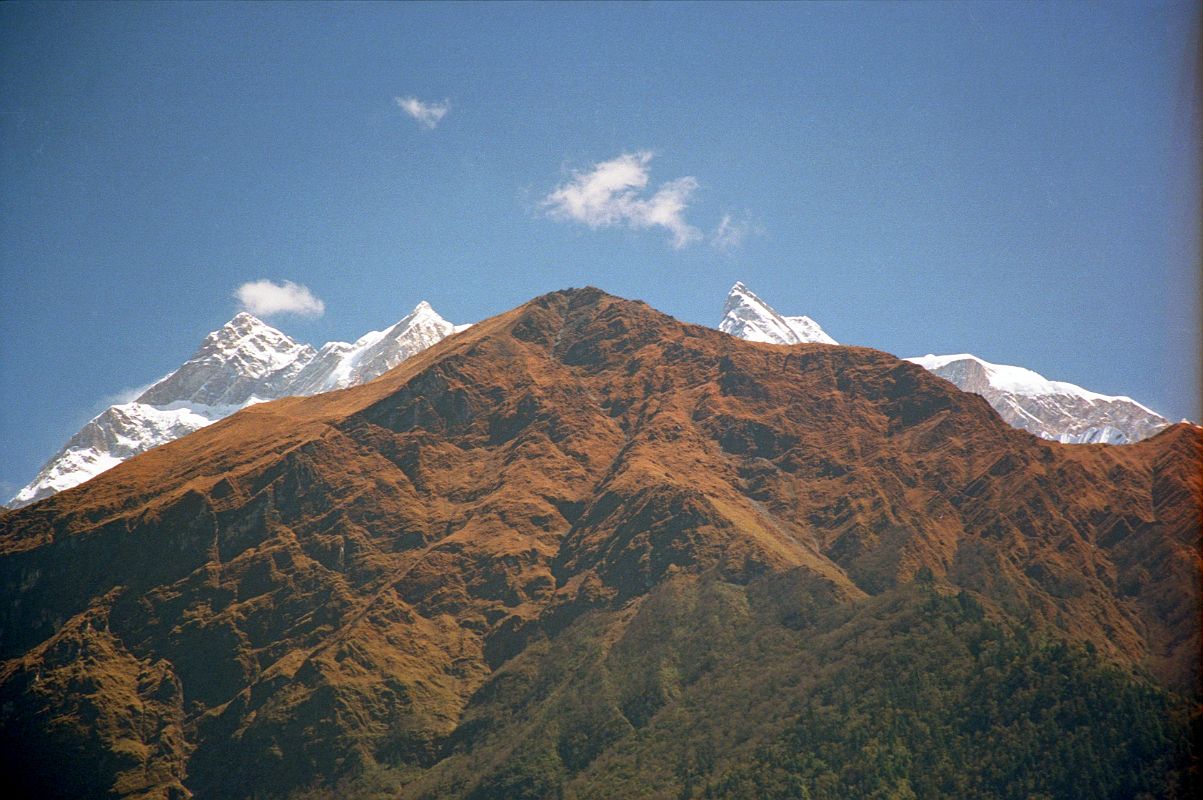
318,583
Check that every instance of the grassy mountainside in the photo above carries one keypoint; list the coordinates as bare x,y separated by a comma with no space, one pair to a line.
710,689
461,578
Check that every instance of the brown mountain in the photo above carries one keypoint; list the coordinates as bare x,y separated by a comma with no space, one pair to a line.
536,558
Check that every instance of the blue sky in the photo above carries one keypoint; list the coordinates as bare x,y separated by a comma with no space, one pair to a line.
1019,181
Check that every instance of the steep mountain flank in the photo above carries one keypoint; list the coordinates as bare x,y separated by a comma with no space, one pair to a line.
413,586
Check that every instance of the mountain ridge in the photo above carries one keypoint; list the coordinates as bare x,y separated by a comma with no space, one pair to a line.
172,407
1055,410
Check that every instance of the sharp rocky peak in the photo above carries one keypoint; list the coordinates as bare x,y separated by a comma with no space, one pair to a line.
244,323
423,312
747,316
251,345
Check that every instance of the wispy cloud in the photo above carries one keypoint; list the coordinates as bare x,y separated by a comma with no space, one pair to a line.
730,233
264,299
122,396
427,114
612,193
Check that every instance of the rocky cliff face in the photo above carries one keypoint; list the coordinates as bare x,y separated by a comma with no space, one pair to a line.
408,582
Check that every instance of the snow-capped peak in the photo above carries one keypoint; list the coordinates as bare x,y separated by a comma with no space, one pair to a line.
748,317
244,361
339,365
246,318
260,345
242,326
245,357
423,311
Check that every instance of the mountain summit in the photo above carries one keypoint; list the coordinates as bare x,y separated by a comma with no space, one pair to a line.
339,365
748,317
583,549
246,361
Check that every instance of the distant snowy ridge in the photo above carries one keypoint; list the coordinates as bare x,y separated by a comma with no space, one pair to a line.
1050,409
1019,380
117,433
339,365
1025,399
246,361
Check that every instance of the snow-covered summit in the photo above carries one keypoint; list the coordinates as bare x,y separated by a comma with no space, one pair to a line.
748,317
244,361
244,358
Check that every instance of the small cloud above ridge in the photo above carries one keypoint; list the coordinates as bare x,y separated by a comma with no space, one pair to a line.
123,396
427,114
730,233
612,193
263,298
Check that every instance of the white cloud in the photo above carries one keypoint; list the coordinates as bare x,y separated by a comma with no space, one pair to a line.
122,396
612,193
428,114
730,233
264,298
